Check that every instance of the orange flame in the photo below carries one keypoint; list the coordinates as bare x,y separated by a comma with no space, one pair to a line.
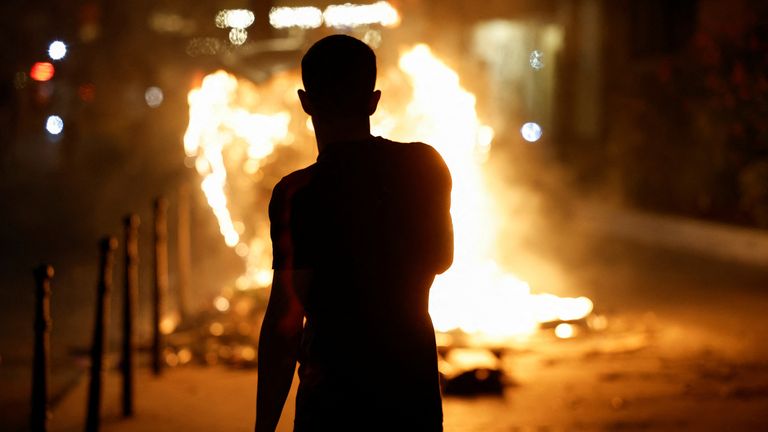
475,295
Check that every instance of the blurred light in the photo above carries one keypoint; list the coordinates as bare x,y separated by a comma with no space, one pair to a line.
482,374
302,17
536,59
89,20
248,353
202,166
472,358
168,22
372,38
238,18
243,306
44,92
153,96
203,46
234,18
349,15
57,50
216,329
87,92
597,322
20,80
239,227
172,359
168,324
565,331
221,304
42,71
54,125
264,277
242,283
251,166
238,36
484,138
242,250
531,131
185,355
221,19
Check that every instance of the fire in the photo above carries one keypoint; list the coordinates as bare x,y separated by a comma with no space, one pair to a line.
236,128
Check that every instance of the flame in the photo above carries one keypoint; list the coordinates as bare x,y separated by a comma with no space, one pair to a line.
475,296
218,121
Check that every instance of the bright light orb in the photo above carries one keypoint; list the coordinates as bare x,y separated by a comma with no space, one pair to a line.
565,331
238,18
536,59
531,132
42,71
238,36
57,50
302,17
221,304
153,96
54,125
349,15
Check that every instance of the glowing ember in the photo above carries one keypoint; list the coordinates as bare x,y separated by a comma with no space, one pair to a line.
231,140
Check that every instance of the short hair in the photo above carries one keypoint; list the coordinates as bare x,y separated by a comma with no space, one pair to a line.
339,74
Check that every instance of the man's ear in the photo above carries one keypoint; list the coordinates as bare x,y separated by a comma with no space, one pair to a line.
374,102
306,104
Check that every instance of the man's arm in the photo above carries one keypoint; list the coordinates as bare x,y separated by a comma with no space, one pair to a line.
279,347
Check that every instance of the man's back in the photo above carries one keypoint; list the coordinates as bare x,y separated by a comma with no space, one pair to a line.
370,221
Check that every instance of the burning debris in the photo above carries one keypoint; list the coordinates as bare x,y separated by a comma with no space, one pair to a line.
226,334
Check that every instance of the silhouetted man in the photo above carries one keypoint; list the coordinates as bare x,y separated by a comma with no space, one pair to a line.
357,238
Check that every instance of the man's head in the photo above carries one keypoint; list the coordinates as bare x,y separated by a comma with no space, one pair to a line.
339,75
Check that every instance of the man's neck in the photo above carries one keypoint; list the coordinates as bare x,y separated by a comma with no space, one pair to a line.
329,131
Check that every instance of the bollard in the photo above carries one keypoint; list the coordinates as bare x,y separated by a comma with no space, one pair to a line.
130,306
183,244
40,363
100,325
160,283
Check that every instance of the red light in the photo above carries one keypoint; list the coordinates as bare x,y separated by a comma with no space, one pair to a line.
41,71
87,92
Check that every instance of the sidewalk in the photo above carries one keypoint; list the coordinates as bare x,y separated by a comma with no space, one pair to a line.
642,374
186,399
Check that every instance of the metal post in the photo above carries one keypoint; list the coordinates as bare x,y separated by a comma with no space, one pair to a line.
160,282
107,248
40,366
183,250
130,306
